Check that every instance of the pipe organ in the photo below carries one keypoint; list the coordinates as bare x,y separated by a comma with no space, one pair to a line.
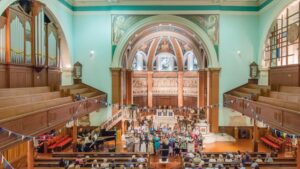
40,49
16,38
33,40
29,46
28,42
53,50
2,39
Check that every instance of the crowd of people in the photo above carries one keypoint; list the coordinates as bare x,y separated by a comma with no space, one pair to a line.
164,141
133,162
237,160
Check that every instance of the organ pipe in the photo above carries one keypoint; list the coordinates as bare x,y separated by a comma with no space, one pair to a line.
17,36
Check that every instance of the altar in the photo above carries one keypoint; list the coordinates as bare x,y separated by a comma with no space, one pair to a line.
164,118
202,127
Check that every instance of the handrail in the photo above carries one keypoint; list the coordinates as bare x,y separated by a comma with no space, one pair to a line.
112,119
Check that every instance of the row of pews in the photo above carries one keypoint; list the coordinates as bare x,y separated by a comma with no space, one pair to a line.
277,161
278,107
117,159
36,110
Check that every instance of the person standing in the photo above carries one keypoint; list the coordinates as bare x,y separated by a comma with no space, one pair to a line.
150,145
156,141
143,144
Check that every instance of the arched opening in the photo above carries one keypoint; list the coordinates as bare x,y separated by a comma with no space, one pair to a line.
281,47
166,61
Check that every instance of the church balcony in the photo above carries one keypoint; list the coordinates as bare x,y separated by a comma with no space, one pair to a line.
284,119
41,120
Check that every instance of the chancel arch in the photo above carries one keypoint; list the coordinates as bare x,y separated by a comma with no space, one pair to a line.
166,61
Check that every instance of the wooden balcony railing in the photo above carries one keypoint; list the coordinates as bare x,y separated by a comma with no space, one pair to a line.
43,120
278,117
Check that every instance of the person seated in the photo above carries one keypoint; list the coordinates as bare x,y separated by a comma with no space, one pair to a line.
238,154
269,159
242,166
77,166
78,160
210,166
254,164
212,159
198,160
248,157
104,164
228,159
95,164
141,166
77,97
258,159
190,155
141,159
219,165
220,159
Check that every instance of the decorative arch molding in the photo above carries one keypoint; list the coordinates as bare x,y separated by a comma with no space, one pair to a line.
151,89
121,47
51,10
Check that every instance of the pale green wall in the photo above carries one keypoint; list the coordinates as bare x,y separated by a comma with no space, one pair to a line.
93,32
237,33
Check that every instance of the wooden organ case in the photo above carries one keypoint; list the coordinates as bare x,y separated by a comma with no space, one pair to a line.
29,47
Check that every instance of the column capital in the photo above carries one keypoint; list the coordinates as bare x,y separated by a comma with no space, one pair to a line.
213,69
115,69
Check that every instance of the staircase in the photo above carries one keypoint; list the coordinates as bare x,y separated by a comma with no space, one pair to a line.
113,120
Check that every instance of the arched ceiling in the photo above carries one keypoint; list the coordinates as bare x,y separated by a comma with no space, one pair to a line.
151,39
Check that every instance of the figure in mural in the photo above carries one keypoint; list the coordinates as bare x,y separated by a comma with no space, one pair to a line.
118,28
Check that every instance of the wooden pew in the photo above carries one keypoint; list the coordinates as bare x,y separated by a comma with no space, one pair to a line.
23,99
118,158
289,89
80,91
90,94
240,94
264,89
11,111
248,164
23,91
97,154
75,86
256,91
290,97
280,103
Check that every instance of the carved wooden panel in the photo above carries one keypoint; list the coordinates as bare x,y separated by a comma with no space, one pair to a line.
190,87
139,87
285,75
165,87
